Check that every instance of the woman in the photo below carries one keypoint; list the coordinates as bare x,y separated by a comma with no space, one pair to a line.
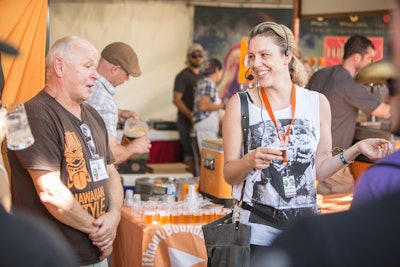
207,102
280,187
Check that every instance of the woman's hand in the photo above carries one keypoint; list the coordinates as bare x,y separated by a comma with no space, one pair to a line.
261,157
375,148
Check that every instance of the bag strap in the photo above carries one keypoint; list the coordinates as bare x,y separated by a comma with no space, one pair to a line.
244,111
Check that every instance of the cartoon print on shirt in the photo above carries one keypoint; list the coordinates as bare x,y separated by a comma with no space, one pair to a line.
268,188
78,175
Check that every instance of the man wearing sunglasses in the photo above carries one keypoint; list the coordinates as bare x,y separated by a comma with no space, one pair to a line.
183,99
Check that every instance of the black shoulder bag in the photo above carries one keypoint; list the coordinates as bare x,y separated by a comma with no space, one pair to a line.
228,242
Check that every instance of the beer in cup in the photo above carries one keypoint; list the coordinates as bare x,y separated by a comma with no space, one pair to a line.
134,128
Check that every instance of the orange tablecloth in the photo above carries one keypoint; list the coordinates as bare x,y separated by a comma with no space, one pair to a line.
138,244
336,203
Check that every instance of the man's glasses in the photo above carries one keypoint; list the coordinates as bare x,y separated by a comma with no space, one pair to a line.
196,55
89,139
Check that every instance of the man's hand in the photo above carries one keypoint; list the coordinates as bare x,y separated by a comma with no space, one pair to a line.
140,145
104,237
124,114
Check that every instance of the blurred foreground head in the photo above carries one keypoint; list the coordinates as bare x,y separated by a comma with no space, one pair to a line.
395,46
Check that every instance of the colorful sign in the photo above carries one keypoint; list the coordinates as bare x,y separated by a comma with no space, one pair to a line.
334,47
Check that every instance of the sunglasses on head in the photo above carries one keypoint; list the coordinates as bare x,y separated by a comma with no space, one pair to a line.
196,55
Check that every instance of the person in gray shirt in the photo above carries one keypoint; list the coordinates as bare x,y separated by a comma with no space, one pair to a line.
346,98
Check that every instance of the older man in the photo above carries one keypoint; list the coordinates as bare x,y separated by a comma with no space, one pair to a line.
67,175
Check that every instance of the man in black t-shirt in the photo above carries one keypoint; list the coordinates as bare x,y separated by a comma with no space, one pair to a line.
183,99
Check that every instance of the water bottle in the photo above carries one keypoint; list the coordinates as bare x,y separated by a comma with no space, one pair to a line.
170,189
136,206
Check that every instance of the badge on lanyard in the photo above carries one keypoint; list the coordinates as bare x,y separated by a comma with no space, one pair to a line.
98,168
289,186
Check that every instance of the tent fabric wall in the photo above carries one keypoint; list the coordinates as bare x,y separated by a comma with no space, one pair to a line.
159,32
24,26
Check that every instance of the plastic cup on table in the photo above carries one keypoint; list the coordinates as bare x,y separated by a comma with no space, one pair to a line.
197,216
208,215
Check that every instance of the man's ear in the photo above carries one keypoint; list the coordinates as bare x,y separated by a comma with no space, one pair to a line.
115,69
357,57
58,66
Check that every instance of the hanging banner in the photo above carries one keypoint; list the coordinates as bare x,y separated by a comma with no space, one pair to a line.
23,25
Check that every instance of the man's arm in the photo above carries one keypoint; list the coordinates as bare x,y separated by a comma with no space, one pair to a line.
124,114
206,104
5,194
108,223
177,100
123,152
382,111
60,202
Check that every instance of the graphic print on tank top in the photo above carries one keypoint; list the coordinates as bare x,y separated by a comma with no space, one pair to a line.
268,187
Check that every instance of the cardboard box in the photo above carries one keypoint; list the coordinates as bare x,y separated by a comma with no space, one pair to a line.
177,167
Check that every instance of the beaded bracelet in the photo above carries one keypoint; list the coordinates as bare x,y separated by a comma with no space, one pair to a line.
342,159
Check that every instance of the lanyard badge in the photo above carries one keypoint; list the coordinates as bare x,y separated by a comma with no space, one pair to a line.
97,166
289,183
284,140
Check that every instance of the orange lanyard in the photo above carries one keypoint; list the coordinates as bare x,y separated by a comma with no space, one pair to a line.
284,138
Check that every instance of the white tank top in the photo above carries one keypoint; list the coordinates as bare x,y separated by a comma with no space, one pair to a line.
266,186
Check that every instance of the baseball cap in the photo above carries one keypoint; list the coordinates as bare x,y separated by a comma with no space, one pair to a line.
8,49
122,54
195,47
211,65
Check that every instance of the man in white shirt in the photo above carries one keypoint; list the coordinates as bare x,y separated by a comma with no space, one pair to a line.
118,61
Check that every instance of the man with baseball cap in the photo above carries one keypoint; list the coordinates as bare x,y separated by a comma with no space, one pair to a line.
118,61
183,99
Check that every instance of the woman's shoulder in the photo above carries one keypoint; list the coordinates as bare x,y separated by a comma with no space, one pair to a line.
302,91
